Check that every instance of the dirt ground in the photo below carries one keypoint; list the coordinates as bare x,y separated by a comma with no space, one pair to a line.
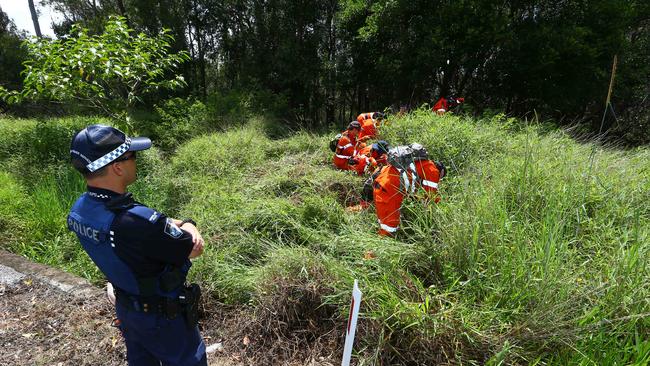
41,325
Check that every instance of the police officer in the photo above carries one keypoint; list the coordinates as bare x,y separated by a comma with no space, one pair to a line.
143,253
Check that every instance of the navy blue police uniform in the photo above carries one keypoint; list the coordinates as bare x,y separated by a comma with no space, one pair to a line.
145,257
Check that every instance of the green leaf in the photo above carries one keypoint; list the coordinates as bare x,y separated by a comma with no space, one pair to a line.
98,67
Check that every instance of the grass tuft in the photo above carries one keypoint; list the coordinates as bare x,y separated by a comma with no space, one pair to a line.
536,254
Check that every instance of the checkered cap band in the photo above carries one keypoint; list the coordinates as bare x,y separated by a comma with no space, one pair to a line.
108,158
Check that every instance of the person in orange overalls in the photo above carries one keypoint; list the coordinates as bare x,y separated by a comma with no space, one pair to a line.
369,115
443,105
369,123
391,186
346,148
370,157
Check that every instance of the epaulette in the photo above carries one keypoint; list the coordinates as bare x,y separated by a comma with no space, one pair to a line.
145,212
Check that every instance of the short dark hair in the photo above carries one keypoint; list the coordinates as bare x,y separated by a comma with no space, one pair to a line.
101,171
441,168
354,125
78,164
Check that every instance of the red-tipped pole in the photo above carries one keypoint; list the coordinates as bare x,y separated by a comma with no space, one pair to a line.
352,324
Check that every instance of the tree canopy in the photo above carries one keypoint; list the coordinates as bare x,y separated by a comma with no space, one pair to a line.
110,71
11,53
332,59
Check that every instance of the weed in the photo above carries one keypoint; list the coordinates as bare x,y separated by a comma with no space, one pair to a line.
534,255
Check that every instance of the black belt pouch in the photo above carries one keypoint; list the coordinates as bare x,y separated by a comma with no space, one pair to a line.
192,298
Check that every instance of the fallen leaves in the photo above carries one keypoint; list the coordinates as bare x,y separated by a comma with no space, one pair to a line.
369,254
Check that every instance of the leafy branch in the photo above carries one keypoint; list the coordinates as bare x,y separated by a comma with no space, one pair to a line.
109,72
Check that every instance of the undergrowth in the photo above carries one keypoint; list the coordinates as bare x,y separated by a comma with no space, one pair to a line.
537,253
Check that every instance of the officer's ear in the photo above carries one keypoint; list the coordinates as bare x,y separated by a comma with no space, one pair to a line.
117,168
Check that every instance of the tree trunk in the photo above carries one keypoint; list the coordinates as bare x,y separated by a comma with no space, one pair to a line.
198,24
330,91
122,10
37,27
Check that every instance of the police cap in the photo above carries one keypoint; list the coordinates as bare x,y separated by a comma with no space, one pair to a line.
96,146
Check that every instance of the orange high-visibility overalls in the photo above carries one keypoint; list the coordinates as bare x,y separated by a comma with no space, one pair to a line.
368,129
391,185
345,150
368,159
441,106
364,116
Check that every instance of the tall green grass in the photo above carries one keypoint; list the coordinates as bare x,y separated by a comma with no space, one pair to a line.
537,254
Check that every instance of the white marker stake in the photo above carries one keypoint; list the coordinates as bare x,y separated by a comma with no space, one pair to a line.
352,324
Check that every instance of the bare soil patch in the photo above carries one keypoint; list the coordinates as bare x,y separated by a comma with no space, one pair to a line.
42,325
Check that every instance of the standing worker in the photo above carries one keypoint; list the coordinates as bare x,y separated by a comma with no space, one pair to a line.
144,254
409,168
346,147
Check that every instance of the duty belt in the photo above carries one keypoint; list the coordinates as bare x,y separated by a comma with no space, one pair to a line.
168,307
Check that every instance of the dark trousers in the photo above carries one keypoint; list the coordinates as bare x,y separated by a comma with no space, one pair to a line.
151,339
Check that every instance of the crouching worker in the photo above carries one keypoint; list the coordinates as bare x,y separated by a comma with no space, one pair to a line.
443,105
371,157
143,253
408,170
369,115
369,124
346,147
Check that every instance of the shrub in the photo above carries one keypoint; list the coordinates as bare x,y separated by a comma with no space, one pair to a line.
29,147
232,107
219,155
110,72
457,141
536,253
14,203
238,106
179,120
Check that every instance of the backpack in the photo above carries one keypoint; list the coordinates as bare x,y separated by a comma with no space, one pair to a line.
401,157
335,141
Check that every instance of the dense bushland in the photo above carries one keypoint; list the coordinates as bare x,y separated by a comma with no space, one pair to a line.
314,62
537,253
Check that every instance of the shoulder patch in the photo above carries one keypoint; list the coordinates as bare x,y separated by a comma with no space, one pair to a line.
145,212
172,229
154,216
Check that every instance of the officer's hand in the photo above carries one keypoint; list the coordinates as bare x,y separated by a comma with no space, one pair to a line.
197,239
196,251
